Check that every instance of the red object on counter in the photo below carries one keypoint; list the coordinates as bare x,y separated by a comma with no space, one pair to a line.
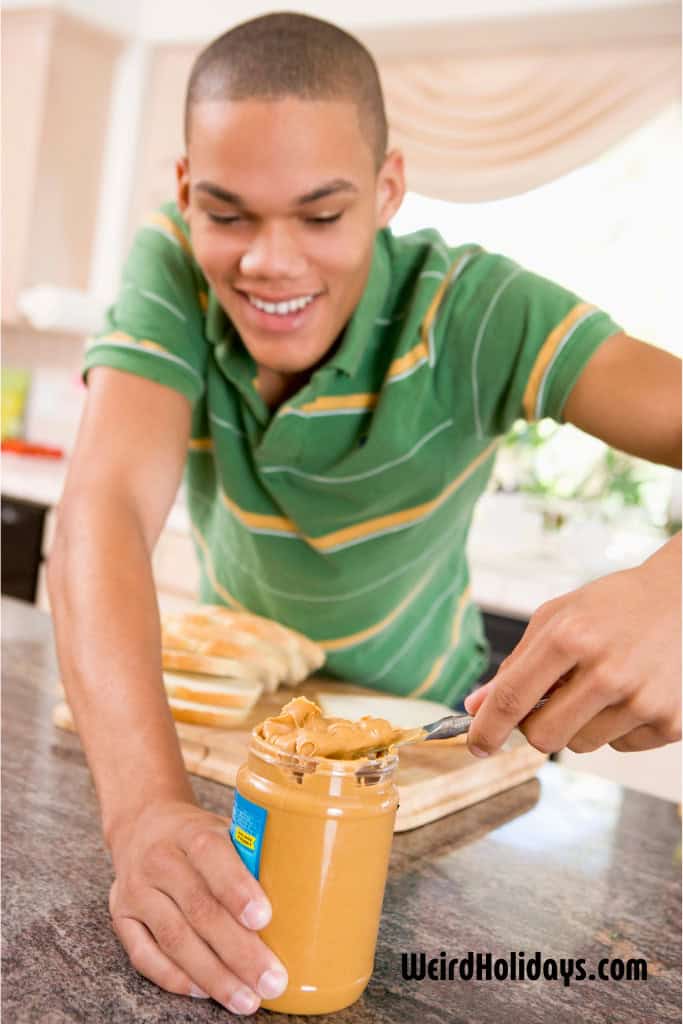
19,447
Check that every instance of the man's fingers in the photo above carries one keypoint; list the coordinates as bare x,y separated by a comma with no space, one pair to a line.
148,960
212,853
542,615
184,947
642,738
235,946
474,700
574,703
610,726
517,687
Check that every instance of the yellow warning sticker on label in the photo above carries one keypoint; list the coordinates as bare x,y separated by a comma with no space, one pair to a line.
245,838
247,830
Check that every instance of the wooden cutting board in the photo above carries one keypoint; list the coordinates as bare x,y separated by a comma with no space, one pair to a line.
434,779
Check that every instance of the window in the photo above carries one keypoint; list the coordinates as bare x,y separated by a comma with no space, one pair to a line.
610,232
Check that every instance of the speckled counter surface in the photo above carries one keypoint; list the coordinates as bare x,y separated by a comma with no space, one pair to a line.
569,865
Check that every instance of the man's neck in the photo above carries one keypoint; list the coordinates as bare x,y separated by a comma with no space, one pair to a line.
275,388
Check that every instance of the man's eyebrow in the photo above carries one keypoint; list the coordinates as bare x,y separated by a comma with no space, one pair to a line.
327,189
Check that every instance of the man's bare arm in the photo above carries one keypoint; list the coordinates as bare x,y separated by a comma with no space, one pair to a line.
609,651
122,481
629,395
182,903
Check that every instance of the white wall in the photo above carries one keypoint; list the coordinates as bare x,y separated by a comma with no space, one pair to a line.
122,16
157,20
205,18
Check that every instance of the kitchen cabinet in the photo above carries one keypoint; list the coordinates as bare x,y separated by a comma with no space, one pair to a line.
22,533
56,82
161,134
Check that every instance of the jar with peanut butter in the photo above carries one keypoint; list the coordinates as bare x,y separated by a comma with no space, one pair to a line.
313,821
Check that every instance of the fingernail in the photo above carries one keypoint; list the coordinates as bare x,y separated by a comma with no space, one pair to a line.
467,703
243,1001
198,993
256,914
272,983
478,752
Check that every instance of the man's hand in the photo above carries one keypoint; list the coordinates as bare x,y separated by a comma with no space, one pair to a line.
187,910
610,653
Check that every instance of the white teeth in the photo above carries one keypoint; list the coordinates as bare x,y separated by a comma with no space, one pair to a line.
281,308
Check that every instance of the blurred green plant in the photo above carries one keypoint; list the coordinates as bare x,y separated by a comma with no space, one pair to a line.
562,464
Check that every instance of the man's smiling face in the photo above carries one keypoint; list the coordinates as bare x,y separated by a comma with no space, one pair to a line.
283,201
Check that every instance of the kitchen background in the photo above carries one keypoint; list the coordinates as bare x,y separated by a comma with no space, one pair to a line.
545,129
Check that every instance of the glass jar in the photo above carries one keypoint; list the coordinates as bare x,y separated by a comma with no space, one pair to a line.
317,833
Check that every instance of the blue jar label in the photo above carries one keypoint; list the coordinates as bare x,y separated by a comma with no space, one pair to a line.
246,831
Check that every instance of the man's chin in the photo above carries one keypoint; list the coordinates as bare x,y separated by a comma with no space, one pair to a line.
287,356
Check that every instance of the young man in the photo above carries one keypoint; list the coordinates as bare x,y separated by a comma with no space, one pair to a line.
338,395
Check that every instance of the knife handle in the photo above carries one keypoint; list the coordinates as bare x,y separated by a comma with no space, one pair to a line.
456,725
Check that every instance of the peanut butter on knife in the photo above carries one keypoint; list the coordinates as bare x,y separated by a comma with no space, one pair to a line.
300,728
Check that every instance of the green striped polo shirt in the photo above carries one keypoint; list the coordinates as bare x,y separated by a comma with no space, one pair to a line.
344,513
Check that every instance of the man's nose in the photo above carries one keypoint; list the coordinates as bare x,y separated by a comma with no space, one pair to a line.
273,252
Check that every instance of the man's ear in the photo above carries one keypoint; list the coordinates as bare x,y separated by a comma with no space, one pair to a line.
182,173
391,187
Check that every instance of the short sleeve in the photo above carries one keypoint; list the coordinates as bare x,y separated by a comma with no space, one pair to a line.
528,340
155,329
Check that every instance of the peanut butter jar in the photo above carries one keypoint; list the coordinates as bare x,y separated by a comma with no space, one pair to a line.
316,832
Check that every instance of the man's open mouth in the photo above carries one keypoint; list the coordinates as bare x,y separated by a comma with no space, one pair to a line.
281,312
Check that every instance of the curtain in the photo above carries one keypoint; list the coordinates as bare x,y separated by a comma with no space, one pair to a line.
477,126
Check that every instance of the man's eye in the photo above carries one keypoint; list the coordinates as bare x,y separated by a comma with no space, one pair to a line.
222,220
324,220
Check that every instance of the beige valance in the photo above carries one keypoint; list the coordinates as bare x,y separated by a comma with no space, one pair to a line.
482,109
498,117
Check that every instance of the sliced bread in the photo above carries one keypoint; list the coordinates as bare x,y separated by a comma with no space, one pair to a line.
203,714
203,689
204,664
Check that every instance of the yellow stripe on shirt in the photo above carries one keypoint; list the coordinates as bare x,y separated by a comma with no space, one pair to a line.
435,670
113,338
121,338
341,643
160,220
335,403
406,517
406,362
260,522
371,528
211,573
154,346
546,353
433,307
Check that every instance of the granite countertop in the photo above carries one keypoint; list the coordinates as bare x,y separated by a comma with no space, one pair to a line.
566,864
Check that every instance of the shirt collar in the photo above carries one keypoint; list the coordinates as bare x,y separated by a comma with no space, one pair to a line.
360,327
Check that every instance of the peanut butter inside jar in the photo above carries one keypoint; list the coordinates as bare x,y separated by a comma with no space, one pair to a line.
313,821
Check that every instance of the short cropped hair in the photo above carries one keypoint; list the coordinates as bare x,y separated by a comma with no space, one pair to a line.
288,54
